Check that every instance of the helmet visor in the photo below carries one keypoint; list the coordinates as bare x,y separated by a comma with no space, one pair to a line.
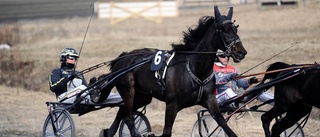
72,57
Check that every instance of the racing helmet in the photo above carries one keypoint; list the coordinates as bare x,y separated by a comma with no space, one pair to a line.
68,52
218,53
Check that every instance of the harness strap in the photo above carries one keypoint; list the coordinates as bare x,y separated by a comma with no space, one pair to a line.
167,63
230,46
161,73
201,83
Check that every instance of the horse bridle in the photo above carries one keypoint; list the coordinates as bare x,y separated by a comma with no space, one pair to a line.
228,47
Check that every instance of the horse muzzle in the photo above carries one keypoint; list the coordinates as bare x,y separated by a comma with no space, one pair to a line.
238,52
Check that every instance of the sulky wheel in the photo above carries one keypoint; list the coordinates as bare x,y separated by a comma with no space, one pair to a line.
206,126
60,120
294,131
141,123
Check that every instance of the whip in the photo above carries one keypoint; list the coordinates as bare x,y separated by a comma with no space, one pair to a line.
293,44
84,38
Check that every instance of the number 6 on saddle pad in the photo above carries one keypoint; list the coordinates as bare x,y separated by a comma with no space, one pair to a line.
158,60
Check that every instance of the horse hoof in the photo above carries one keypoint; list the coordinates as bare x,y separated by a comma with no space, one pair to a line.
149,134
104,133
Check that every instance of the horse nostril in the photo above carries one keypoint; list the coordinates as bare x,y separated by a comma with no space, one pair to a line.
243,53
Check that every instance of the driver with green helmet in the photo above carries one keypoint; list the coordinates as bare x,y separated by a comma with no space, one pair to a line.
66,78
65,81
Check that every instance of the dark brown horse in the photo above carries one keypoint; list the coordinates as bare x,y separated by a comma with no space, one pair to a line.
188,78
295,94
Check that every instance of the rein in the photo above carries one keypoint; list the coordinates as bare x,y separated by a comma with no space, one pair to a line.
195,52
136,54
293,44
278,70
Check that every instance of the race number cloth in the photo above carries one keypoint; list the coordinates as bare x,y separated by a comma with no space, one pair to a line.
71,93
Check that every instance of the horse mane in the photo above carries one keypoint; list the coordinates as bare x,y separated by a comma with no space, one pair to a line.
275,66
193,36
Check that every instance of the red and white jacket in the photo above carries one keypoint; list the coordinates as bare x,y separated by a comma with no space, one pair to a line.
223,78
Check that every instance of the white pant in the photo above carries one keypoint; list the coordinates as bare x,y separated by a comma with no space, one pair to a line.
112,98
228,93
265,96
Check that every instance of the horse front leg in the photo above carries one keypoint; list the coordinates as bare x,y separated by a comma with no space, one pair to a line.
170,116
214,111
266,120
294,114
267,117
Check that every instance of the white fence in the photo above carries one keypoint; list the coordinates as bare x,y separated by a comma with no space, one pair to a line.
151,10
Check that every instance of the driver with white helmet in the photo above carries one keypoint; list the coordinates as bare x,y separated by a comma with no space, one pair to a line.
227,85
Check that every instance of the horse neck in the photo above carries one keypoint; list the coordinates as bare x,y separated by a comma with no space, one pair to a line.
201,64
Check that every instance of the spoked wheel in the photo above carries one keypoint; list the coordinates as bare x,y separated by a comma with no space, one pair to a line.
294,131
141,123
60,120
206,126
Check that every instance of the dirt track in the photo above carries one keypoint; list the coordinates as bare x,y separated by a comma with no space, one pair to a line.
264,33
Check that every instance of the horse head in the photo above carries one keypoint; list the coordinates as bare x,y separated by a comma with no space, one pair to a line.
227,31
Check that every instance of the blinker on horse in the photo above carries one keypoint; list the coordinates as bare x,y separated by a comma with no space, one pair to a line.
188,79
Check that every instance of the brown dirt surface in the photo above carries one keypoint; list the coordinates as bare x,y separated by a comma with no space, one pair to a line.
264,33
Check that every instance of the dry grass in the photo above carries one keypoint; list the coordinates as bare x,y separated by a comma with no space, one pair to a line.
264,34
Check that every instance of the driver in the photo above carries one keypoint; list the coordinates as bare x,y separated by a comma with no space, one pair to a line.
226,85
66,81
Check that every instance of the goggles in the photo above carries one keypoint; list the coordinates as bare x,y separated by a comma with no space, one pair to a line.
222,56
72,57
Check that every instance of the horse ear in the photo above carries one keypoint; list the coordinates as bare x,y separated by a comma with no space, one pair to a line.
230,13
217,13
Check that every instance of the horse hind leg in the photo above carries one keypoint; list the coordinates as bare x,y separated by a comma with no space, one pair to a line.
294,114
128,94
115,124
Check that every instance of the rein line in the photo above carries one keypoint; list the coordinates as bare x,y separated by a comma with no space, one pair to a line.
293,44
136,54
278,70
195,52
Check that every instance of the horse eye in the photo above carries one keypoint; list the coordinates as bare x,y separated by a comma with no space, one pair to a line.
236,48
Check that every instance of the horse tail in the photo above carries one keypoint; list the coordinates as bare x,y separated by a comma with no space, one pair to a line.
274,66
113,62
104,89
